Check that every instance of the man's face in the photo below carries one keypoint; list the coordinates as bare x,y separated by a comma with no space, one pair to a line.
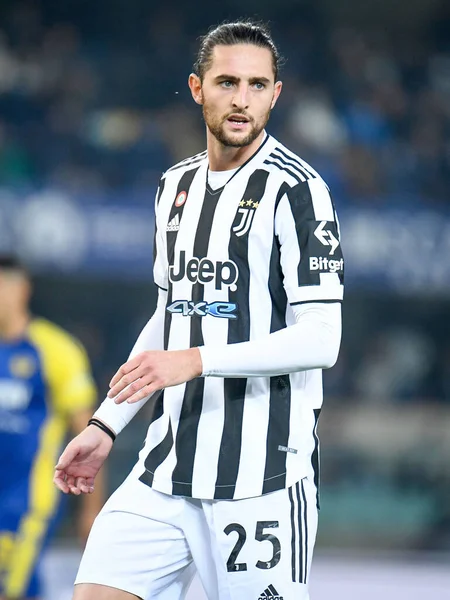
238,92
14,292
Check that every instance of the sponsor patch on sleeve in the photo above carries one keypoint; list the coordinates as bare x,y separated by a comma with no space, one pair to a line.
320,251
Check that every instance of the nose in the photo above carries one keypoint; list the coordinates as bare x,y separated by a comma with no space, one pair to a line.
240,99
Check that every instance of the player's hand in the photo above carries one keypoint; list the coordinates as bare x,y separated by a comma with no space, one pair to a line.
154,370
81,461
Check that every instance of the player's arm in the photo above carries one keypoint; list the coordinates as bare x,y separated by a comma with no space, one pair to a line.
74,396
79,464
311,343
115,416
151,337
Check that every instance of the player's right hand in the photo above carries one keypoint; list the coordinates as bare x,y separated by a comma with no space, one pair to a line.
81,461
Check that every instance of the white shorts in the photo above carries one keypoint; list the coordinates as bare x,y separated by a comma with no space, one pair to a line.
150,544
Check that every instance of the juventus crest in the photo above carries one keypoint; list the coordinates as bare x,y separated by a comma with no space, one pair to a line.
247,210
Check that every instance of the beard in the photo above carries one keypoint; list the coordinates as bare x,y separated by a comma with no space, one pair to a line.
216,125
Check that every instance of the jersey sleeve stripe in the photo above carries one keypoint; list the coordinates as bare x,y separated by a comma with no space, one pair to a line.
321,293
299,178
319,301
313,174
294,164
302,208
188,162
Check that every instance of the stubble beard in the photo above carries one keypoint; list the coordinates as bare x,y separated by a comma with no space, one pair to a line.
216,125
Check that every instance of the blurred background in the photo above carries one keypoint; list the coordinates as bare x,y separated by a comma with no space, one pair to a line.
94,105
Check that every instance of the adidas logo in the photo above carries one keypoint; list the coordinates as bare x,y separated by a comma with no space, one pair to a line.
174,224
270,593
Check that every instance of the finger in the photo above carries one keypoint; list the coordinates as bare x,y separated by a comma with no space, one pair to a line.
137,387
62,486
59,481
143,393
137,375
67,456
80,483
72,487
71,484
126,368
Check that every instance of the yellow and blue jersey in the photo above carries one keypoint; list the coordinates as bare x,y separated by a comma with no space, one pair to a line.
45,378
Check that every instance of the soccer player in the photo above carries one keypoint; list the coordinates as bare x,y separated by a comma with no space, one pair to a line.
249,268
45,387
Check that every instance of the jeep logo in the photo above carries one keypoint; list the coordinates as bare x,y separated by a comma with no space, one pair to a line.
223,273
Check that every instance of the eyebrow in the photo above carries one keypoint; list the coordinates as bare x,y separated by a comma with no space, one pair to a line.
236,79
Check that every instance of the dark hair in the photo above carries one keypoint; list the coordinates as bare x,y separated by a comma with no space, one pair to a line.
230,34
11,262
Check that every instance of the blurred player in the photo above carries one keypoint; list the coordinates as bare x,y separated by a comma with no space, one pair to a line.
45,387
249,268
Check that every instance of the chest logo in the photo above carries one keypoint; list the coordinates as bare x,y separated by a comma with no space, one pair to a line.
247,210
180,199
174,224
22,366
224,274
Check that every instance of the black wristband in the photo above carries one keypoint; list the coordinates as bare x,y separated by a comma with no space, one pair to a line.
103,427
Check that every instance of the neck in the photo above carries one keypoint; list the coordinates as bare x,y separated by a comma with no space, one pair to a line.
225,158
14,327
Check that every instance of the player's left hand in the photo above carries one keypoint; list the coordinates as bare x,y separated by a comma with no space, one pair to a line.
154,370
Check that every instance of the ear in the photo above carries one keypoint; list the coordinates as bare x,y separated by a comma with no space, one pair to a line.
195,86
276,93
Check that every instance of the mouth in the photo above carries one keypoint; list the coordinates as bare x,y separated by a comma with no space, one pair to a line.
238,121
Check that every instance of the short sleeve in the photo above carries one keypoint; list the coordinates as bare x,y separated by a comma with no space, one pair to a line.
160,267
311,257
66,368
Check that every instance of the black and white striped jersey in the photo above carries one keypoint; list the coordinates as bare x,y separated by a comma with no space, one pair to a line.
234,261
